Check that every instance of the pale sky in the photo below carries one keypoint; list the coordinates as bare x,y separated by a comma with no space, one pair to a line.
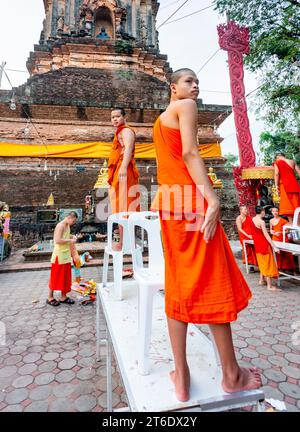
188,43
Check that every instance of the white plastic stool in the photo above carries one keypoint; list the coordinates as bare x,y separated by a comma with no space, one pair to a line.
120,219
294,227
150,279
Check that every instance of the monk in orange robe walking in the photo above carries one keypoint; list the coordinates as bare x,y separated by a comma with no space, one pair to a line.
264,250
287,185
123,176
243,223
285,260
203,283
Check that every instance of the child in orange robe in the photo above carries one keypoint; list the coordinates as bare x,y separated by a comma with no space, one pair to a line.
264,250
285,260
203,283
243,223
61,259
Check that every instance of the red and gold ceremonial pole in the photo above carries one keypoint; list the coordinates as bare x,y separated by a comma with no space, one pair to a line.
236,41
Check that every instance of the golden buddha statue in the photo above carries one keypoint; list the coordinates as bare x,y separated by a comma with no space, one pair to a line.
5,216
275,195
102,177
217,183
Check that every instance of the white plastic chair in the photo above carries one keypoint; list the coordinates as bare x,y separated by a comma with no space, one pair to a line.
150,279
122,220
294,227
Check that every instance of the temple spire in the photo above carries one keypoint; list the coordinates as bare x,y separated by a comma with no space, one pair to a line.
102,19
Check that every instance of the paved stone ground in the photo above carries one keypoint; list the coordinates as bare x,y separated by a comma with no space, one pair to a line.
48,362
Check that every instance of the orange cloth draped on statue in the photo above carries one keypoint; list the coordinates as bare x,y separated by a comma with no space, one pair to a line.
289,189
203,283
285,260
124,196
264,253
246,226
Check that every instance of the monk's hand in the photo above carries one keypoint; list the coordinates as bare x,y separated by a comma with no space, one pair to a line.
212,217
122,174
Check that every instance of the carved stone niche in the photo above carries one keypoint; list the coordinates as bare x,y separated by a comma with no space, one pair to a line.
102,17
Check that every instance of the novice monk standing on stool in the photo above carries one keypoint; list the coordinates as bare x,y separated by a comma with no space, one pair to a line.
203,283
123,175
60,276
287,185
285,260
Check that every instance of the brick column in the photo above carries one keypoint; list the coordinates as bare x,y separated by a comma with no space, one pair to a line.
134,18
54,15
48,20
72,14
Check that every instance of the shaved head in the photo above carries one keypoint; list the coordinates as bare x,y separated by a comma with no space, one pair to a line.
121,110
175,77
244,210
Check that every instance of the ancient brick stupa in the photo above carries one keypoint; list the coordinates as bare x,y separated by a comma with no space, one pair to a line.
93,55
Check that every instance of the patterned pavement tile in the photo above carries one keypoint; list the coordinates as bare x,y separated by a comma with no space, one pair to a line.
49,362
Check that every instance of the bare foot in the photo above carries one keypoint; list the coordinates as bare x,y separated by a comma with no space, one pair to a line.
273,288
182,386
247,379
262,283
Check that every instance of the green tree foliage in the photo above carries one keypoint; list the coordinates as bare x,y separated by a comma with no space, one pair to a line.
284,142
275,55
232,160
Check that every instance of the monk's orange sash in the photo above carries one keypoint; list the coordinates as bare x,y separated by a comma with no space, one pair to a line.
287,177
261,244
116,156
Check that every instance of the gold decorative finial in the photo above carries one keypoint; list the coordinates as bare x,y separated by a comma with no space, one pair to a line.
275,195
217,184
102,177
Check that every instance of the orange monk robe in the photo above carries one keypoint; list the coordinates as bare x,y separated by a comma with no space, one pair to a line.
124,196
289,189
203,283
264,253
251,257
285,260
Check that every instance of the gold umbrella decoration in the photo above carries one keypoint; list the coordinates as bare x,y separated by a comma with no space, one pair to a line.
102,177
258,173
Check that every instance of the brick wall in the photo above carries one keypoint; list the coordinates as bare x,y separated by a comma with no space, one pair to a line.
26,189
95,87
